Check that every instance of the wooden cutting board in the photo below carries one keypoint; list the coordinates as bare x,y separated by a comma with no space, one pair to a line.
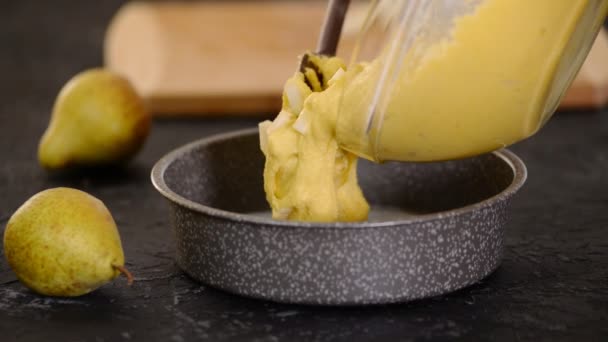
222,58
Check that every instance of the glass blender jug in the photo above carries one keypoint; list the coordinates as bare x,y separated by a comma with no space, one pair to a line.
445,79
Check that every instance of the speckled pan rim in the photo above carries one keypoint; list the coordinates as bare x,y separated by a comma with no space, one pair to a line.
158,172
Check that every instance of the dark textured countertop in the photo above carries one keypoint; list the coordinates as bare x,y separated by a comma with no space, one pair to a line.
552,285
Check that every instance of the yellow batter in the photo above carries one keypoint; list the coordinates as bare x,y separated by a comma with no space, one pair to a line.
307,176
485,87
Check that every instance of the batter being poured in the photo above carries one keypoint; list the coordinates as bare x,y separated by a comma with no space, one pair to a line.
307,176
494,81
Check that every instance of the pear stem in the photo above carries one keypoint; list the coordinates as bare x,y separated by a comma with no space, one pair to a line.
125,272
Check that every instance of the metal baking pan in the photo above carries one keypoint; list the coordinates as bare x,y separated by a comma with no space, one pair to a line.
434,227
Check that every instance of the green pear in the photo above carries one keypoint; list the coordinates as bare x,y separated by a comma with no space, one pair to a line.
98,119
64,242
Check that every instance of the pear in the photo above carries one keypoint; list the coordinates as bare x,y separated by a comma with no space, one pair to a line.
64,242
98,119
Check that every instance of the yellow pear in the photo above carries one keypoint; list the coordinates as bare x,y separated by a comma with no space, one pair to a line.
63,242
98,119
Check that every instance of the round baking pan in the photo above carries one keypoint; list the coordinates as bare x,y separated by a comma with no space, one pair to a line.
433,228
